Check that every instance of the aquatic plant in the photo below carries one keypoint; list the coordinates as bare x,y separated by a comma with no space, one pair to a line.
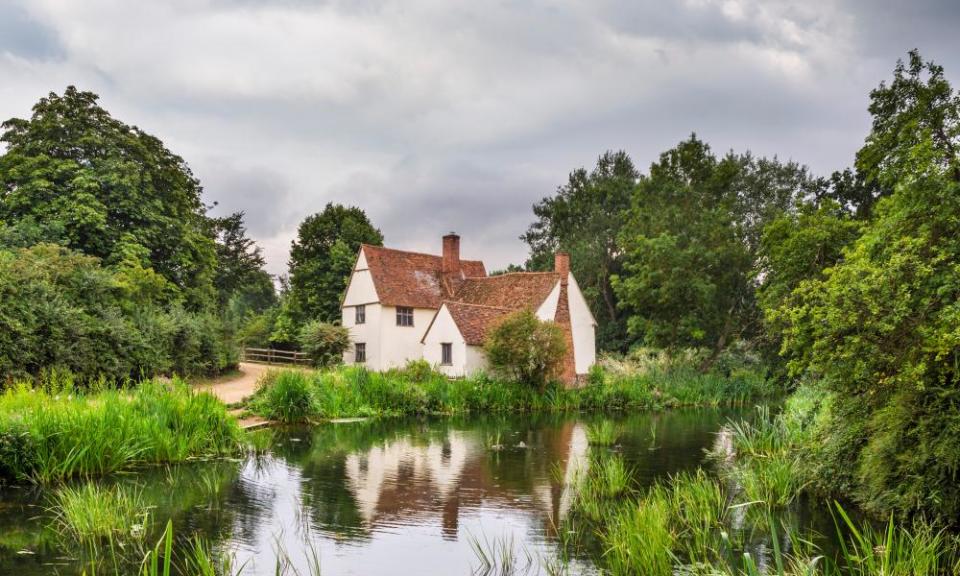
603,433
91,514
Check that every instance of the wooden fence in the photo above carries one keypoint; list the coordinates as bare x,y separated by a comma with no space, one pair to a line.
271,356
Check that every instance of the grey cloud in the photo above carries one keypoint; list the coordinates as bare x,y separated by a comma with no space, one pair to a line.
25,37
435,116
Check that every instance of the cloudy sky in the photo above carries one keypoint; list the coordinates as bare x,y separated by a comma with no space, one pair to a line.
439,115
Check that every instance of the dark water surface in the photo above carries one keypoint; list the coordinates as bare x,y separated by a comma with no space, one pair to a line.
378,497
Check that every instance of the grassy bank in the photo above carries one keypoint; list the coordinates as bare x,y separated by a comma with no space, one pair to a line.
736,519
48,436
294,396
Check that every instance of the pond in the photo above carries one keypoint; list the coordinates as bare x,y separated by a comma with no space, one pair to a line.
379,497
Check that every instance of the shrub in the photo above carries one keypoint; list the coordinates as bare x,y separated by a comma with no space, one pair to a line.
287,398
527,349
325,343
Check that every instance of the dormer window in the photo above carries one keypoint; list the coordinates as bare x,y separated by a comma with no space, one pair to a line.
361,314
404,316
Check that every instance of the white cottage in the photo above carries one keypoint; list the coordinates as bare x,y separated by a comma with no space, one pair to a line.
401,306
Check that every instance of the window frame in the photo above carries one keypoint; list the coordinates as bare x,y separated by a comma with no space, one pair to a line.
360,314
359,352
405,316
446,353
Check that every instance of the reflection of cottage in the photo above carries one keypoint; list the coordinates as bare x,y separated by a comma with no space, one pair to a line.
407,478
401,306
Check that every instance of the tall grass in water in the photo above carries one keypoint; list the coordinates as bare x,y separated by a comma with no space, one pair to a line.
351,391
762,456
48,437
603,433
91,514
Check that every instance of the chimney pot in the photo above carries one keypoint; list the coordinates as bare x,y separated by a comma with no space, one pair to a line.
561,265
451,254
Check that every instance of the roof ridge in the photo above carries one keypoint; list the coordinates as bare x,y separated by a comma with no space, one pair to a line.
461,303
536,273
365,245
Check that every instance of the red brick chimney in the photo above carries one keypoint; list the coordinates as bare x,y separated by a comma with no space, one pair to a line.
451,255
561,265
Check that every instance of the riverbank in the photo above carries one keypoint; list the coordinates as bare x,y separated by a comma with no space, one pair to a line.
56,432
349,392
736,517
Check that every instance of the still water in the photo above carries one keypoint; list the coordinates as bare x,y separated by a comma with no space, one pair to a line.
377,497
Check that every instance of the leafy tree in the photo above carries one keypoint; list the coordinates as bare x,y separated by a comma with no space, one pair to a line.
526,348
916,122
584,218
322,257
240,265
880,327
796,247
691,245
325,343
101,187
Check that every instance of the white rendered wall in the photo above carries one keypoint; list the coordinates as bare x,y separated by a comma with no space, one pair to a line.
361,289
399,344
548,310
584,329
444,329
476,360
368,333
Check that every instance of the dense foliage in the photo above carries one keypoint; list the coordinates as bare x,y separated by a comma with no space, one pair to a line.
108,190
526,349
879,328
691,245
109,265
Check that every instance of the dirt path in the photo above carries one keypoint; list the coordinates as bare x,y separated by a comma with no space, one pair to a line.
234,388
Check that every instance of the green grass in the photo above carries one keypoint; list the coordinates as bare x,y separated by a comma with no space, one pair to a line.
91,514
603,433
351,391
53,436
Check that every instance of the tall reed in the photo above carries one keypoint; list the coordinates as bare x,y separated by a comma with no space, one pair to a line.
56,436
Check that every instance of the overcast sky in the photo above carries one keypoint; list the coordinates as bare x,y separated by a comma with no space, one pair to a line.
436,115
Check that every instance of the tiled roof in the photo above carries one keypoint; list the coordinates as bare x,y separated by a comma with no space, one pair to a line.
413,279
515,290
475,321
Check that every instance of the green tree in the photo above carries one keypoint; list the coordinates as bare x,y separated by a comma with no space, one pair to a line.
799,246
916,122
527,349
691,245
325,343
584,218
880,327
240,265
322,257
100,186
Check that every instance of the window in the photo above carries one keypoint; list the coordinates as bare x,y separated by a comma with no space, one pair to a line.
446,354
360,353
404,316
361,314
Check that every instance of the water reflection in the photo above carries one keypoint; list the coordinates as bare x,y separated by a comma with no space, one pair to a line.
384,497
